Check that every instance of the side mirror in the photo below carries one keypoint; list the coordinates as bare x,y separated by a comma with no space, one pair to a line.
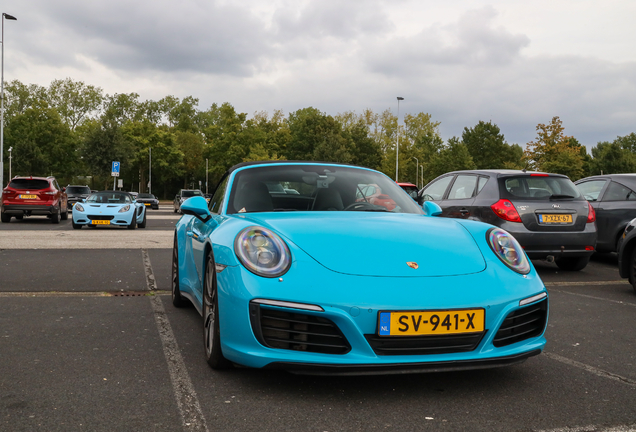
197,207
431,209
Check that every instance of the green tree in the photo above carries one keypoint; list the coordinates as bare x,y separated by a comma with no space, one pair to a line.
453,156
42,144
553,151
74,100
612,158
488,147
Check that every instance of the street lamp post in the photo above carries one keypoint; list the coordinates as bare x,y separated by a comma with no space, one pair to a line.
149,170
422,169
10,148
9,17
397,147
417,170
206,176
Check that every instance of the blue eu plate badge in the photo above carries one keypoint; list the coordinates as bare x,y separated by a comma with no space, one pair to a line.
385,323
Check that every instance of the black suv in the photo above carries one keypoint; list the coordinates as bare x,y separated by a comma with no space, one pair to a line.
76,193
545,212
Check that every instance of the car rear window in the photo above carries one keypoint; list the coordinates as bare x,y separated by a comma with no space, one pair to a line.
190,193
29,184
145,195
538,188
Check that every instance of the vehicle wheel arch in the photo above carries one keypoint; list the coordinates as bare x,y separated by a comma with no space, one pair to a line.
628,250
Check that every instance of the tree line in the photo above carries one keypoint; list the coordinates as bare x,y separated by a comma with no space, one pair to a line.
74,131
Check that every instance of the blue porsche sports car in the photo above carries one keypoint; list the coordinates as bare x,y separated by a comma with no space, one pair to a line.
325,281
109,208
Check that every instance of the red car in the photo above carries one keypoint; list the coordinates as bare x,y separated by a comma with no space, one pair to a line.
373,194
31,196
410,189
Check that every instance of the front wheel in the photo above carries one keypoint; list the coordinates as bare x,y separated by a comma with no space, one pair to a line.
211,328
177,300
133,223
143,222
572,264
76,226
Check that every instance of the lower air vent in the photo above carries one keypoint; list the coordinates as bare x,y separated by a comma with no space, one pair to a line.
522,324
276,328
100,217
422,345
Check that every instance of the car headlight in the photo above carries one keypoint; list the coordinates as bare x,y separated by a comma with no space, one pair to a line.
508,250
78,207
124,208
262,252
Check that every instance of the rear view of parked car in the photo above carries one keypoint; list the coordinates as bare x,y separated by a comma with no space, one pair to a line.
614,200
544,212
34,196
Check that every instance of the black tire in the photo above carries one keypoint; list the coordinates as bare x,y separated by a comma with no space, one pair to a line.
211,327
143,222
6,218
632,270
177,300
572,264
174,209
55,218
133,223
64,216
76,226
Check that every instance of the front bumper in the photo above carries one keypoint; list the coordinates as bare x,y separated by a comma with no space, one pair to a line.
352,303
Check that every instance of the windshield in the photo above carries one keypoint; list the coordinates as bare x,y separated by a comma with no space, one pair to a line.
145,195
190,193
316,188
109,198
78,190
543,187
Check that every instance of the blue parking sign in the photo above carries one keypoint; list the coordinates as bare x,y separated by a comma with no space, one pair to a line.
115,169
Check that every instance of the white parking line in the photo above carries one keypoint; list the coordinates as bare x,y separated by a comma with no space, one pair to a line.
189,407
625,428
596,298
596,371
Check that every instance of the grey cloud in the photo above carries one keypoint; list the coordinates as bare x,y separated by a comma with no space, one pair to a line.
471,41
193,36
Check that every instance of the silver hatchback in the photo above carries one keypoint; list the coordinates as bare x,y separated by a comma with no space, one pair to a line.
545,212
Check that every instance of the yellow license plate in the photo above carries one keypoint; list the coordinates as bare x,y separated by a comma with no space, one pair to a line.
418,323
146,203
555,218
28,196
100,222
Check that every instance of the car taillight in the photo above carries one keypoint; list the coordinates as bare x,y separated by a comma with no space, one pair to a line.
506,210
591,215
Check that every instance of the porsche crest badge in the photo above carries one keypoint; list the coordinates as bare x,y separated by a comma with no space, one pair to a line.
412,264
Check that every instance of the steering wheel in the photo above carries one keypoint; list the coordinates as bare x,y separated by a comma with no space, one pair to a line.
362,205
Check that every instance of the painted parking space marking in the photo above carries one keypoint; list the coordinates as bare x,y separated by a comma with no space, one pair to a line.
189,407
596,371
596,298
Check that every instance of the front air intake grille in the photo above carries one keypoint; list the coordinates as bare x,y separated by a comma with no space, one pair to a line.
100,217
522,324
276,328
422,345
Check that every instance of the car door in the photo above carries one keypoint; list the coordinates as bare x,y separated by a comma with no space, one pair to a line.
458,203
201,233
616,208
436,191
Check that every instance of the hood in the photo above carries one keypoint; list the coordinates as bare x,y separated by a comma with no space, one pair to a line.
379,244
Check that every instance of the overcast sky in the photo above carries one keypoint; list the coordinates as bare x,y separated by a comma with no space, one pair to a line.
515,63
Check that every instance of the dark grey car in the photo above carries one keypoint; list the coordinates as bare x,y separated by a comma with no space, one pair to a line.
76,193
614,201
183,195
544,212
627,253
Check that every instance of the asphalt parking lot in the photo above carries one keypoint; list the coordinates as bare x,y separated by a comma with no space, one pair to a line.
89,341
